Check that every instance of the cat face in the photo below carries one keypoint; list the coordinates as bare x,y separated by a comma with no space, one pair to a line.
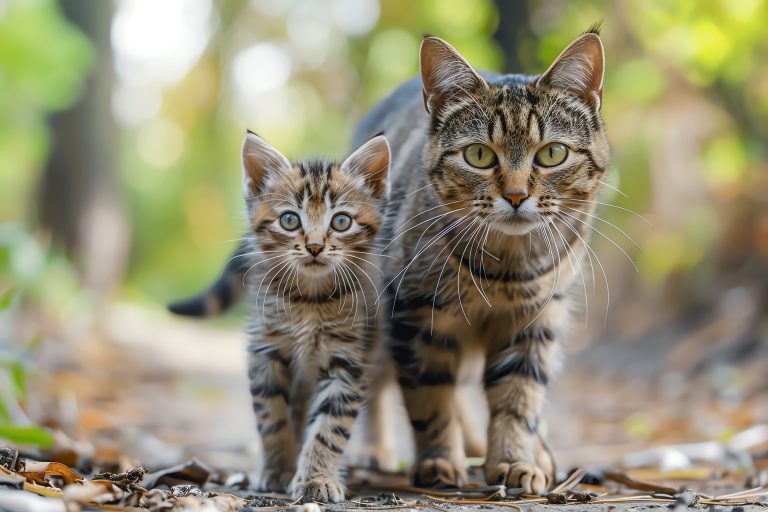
515,154
315,217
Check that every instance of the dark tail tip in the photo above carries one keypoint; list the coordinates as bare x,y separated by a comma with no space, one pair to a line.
191,307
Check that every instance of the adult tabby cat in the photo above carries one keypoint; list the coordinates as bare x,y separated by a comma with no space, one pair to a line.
493,191
309,262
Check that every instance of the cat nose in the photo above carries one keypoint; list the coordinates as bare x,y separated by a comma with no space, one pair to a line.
315,248
516,198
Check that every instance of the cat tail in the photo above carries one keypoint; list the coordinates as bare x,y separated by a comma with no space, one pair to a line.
221,295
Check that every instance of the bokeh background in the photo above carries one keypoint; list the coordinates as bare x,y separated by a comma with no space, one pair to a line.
120,126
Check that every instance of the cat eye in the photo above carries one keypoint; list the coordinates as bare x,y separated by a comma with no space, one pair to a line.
289,221
551,155
480,156
341,222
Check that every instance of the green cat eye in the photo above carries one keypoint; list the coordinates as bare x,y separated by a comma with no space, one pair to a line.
341,222
480,156
289,221
551,155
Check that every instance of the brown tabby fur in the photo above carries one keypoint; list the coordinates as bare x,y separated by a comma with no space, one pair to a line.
471,272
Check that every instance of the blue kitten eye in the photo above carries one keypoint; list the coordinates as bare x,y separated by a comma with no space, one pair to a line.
289,221
341,222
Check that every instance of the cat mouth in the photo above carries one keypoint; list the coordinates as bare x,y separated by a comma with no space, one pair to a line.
515,223
314,263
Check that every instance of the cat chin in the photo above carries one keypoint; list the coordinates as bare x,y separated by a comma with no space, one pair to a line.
316,270
514,228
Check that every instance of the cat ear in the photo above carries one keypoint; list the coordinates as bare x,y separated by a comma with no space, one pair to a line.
579,69
444,73
259,159
371,161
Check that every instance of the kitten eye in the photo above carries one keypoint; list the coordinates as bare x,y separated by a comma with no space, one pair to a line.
341,222
551,155
480,156
289,221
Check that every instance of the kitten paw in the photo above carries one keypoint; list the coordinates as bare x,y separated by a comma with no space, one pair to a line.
274,482
439,472
531,478
324,490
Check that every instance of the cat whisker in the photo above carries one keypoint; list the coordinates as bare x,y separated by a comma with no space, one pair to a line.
417,190
611,205
606,222
590,253
245,275
438,216
442,269
362,291
568,251
593,228
612,188
469,245
431,242
374,254
552,251
364,261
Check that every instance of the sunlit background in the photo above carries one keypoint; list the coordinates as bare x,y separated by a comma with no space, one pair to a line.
120,126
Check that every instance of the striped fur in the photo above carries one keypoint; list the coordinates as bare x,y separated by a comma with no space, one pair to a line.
311,333
478,273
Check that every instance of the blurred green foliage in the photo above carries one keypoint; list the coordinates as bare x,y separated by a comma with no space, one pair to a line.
685,104
43,61
16,362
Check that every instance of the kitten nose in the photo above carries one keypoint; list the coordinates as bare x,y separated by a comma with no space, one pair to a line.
315,248
516,198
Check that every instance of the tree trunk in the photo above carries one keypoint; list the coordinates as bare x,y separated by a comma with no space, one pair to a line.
79,201
513,24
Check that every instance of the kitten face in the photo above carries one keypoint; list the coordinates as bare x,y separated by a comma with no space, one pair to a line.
315,217
515,154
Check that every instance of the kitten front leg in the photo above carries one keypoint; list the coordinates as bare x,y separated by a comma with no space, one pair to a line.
516,378
337,400
269,374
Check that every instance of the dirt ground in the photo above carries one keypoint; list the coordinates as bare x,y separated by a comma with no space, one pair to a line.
140,387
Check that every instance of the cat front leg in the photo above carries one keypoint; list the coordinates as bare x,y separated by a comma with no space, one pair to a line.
516,378
427,365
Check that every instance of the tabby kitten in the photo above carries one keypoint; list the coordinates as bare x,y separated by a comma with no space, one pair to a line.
493,191
310,257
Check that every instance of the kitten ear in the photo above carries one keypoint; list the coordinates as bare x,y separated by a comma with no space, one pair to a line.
371,161
259,159
579,69
444,73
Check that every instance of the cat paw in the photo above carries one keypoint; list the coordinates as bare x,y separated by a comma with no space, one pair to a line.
439,472
274,482
324,490
530,478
